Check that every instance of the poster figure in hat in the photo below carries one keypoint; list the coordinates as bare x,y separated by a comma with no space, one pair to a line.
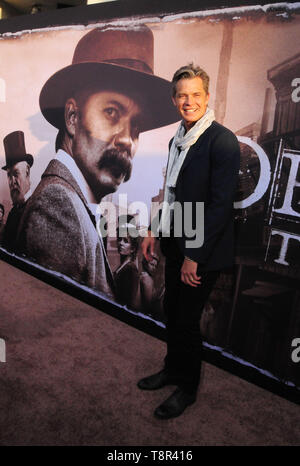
127,275
18,164
99,104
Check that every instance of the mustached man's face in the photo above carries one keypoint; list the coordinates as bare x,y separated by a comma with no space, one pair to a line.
18,181
105,128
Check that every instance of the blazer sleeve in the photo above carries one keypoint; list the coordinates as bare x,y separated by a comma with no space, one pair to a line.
218,210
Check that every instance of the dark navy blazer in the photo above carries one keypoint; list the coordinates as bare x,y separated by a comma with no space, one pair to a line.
209,174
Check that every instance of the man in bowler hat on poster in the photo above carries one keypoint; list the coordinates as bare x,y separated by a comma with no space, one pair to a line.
18,164
100,103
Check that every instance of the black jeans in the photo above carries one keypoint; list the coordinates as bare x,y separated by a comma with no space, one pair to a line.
183,305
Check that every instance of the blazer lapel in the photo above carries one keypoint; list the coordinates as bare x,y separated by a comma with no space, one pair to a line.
109,274
188,158
56,168
193,151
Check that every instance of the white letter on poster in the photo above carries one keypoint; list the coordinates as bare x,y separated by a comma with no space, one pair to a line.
106,219
265,175
291,184
284,245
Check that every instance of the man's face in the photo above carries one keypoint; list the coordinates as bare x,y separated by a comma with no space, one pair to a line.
18,182
191,100
105,139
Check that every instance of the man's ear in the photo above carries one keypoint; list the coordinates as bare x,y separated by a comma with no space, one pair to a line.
71,116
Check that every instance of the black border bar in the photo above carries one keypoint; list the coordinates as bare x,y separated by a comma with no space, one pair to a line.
118,9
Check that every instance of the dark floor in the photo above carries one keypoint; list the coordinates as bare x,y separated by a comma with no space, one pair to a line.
70,379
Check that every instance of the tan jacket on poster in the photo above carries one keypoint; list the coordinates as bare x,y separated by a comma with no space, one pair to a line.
57,230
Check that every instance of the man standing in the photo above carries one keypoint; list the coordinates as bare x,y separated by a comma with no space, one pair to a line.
203,167
99,104
18,164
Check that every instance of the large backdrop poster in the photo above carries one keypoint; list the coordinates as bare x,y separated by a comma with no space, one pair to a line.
252,55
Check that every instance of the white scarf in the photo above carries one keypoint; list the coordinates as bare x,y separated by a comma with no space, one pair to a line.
180,146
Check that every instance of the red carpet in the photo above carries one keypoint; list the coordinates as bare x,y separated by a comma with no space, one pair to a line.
70,379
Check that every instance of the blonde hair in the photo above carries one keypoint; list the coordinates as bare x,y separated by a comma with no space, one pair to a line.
187,72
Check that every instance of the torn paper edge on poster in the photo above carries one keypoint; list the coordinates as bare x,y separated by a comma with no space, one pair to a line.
216,15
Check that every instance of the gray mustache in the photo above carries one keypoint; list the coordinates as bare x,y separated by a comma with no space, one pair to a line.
118,162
